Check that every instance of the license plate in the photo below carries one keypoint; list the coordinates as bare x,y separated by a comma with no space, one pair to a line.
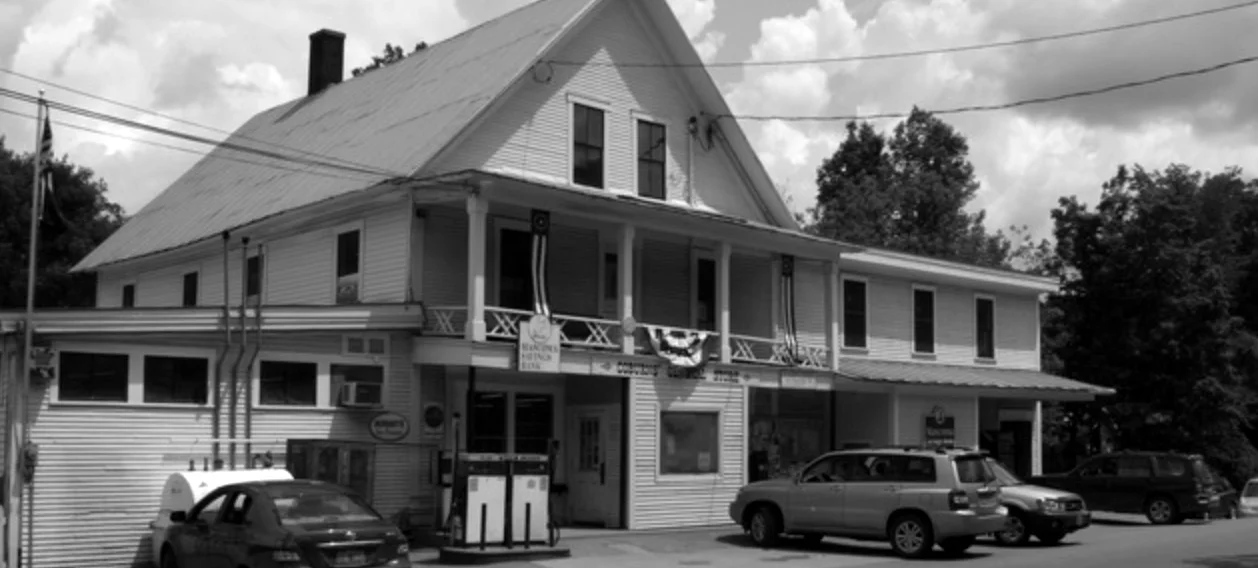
351,558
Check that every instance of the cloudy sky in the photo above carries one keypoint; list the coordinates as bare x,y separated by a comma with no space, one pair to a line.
217,63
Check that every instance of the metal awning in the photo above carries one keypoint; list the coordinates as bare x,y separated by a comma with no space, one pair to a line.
940,375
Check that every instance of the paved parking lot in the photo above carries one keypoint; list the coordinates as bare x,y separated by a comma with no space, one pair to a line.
1115,541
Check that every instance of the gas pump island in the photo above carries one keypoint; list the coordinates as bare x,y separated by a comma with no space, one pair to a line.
499,507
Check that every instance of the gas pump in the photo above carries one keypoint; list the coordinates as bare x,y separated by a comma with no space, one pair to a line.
501,500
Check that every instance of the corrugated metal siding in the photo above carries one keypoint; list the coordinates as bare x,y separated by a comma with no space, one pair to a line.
862,417
445,257
659,503
914,409
105,466
665,283
530,132
751,291
810,304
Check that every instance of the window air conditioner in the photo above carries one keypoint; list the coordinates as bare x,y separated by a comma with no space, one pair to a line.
361,395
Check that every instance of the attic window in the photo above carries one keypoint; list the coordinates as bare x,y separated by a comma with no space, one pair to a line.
587,146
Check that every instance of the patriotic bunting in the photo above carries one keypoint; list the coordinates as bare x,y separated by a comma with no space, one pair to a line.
682,348
540,222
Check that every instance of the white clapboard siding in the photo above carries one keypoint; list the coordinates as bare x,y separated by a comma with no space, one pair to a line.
665,294
810,304
572,273
530,131
445,257
1016,331
386,242
751,296
915,409
104,467
677,501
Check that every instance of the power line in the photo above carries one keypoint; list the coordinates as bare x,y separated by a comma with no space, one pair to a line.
1003,106
227,144
180,148
184,121
915,53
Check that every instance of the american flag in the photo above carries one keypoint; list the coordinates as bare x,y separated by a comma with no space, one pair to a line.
45,166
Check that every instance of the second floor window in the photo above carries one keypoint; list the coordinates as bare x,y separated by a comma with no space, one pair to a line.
985,328
855,333
191,282
515,274
587,146
348,267
651,152
253,277
923,320
705,292
128,296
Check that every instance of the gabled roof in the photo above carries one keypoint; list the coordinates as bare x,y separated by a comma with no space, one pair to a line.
396,119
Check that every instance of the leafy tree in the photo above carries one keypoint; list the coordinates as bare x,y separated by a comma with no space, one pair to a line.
907,192
392,54
1147,307
79,219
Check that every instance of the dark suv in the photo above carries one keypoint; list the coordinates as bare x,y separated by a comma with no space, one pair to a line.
1166,487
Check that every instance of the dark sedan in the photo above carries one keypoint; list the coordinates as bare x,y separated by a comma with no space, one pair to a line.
283,524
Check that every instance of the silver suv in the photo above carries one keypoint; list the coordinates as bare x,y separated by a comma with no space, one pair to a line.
913,497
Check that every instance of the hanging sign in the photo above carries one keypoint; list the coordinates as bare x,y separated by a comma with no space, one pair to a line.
941,429
389,427
539,346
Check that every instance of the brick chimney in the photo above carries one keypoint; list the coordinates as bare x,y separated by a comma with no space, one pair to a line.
327,59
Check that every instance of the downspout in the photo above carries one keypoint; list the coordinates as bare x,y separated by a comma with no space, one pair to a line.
240,354
253,358
222,357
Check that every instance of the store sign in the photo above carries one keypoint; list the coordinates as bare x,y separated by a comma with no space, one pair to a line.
389,427
806,382
941,429
635,370
539,346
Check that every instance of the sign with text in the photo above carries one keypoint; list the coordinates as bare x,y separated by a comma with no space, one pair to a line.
389,427
941,429
539,346
638,370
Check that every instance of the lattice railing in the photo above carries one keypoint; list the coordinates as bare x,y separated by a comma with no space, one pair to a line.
765,351
446,321
574,331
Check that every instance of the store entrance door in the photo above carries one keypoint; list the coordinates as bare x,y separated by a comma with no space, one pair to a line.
594,465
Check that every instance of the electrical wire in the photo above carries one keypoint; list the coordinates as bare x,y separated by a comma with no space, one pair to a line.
179,120
209,155
227,144
1002,106
914,53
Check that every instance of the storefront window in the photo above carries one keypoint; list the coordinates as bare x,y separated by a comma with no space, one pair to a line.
789,428
534,422
487,432
689,442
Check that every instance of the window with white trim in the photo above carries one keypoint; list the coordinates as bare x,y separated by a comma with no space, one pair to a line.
923,321
93,377
191,284
288,383
985,328
176,380
343,374
855,314
587,145
369,345
690,442
349,267
253,278
128,296
651,159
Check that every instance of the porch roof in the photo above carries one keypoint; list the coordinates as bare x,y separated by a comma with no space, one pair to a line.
935,374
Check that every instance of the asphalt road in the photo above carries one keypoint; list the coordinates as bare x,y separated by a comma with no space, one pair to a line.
1114,542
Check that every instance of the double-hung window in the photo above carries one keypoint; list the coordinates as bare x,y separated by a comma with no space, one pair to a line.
587,146
923,321
348,267
651,159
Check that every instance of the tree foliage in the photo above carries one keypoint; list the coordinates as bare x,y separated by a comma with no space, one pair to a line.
1155,298
82,219
906,191
391,54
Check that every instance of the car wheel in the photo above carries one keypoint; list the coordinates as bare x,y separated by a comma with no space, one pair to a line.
957,544
1051,537
911,536
1016,532
168,559
1161,510
765,527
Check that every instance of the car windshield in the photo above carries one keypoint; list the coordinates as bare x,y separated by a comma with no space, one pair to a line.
1251,489
973,469
303,505
1002,473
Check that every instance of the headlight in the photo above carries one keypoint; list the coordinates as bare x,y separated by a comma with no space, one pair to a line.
1051,506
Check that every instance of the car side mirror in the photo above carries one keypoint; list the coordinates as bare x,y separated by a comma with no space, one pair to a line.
178,516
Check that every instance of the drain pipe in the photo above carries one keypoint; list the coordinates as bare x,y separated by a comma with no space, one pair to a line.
253,358
216,427
240,354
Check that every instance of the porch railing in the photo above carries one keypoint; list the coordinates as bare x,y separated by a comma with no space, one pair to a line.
503,324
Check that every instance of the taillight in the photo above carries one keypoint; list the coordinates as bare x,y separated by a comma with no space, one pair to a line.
958,499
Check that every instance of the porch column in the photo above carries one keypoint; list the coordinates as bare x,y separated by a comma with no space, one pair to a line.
624,268
477,214
832,314
723,253
1037,439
